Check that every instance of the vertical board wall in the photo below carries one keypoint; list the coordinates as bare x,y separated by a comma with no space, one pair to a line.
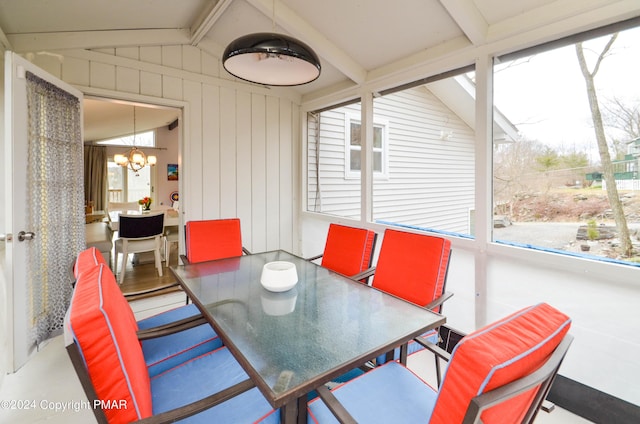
241,144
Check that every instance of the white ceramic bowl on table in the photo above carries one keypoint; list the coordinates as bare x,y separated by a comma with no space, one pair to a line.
279,276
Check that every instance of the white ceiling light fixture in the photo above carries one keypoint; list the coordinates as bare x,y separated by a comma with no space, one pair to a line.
135,158
269,58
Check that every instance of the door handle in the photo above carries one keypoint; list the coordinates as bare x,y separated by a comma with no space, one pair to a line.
6,237
28,235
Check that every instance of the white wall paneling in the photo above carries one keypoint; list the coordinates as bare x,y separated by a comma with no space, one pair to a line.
238,156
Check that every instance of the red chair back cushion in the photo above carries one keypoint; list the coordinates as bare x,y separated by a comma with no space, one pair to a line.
412,266
87,259
496,355
213,239
104,328
348,250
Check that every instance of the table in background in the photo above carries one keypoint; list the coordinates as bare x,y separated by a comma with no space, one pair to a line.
291,342
171,217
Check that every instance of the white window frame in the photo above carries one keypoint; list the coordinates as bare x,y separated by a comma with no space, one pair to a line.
377,123
141,140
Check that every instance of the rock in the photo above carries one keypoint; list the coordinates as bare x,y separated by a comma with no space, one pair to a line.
501,221
604,232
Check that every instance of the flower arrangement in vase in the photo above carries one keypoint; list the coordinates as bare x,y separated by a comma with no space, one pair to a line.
145,202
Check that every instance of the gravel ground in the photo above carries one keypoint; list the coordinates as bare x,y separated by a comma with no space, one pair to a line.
555,235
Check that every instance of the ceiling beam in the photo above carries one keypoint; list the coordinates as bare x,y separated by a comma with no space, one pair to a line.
299,28
4,40
469,19
557,13
206,21
442,53
97,39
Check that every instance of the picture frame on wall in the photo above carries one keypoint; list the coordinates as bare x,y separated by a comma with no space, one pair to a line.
172,172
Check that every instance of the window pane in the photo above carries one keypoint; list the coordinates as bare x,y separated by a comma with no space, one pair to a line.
145,139
377,161
331,186
116,182
549,185
139,186
355,134
377,137
355,159
431,156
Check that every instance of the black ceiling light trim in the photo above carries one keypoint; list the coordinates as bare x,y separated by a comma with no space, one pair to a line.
271,59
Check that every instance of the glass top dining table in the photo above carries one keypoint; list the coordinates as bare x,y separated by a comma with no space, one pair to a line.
291,342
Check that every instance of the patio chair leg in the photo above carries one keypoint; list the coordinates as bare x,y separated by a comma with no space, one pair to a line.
438,372
548,406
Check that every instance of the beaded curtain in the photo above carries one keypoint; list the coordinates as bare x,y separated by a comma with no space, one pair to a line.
56,209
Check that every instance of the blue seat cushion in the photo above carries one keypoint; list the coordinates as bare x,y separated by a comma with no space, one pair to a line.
412,347
206,375
166,352
388,394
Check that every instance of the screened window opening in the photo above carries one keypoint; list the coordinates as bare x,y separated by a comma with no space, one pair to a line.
422,152
431,156
332,188
569,183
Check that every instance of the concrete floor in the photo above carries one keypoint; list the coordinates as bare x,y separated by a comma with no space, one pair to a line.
47,390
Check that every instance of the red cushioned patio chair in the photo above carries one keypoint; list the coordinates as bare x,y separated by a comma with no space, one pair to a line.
185,332
113,366
498,374
212,239
347,250
413,267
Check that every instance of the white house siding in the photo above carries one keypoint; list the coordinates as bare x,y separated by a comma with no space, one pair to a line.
241,142
337,195
431,176
430,180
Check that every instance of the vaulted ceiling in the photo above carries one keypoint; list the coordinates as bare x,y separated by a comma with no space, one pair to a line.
358,41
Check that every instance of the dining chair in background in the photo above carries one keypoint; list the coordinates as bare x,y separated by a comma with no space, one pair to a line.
116,208
139,234
493,377
347,250
171,236
413,267
171,232
208,240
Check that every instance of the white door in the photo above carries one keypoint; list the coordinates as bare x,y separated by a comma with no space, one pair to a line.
15,232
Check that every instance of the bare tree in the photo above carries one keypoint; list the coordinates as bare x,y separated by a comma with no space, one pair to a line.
624,117
603,148
514,166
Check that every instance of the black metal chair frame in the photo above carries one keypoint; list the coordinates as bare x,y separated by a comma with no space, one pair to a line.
169,416
542,377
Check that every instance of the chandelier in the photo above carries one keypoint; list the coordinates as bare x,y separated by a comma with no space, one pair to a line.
135,158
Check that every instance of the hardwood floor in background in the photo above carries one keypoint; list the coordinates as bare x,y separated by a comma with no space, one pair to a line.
144,276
